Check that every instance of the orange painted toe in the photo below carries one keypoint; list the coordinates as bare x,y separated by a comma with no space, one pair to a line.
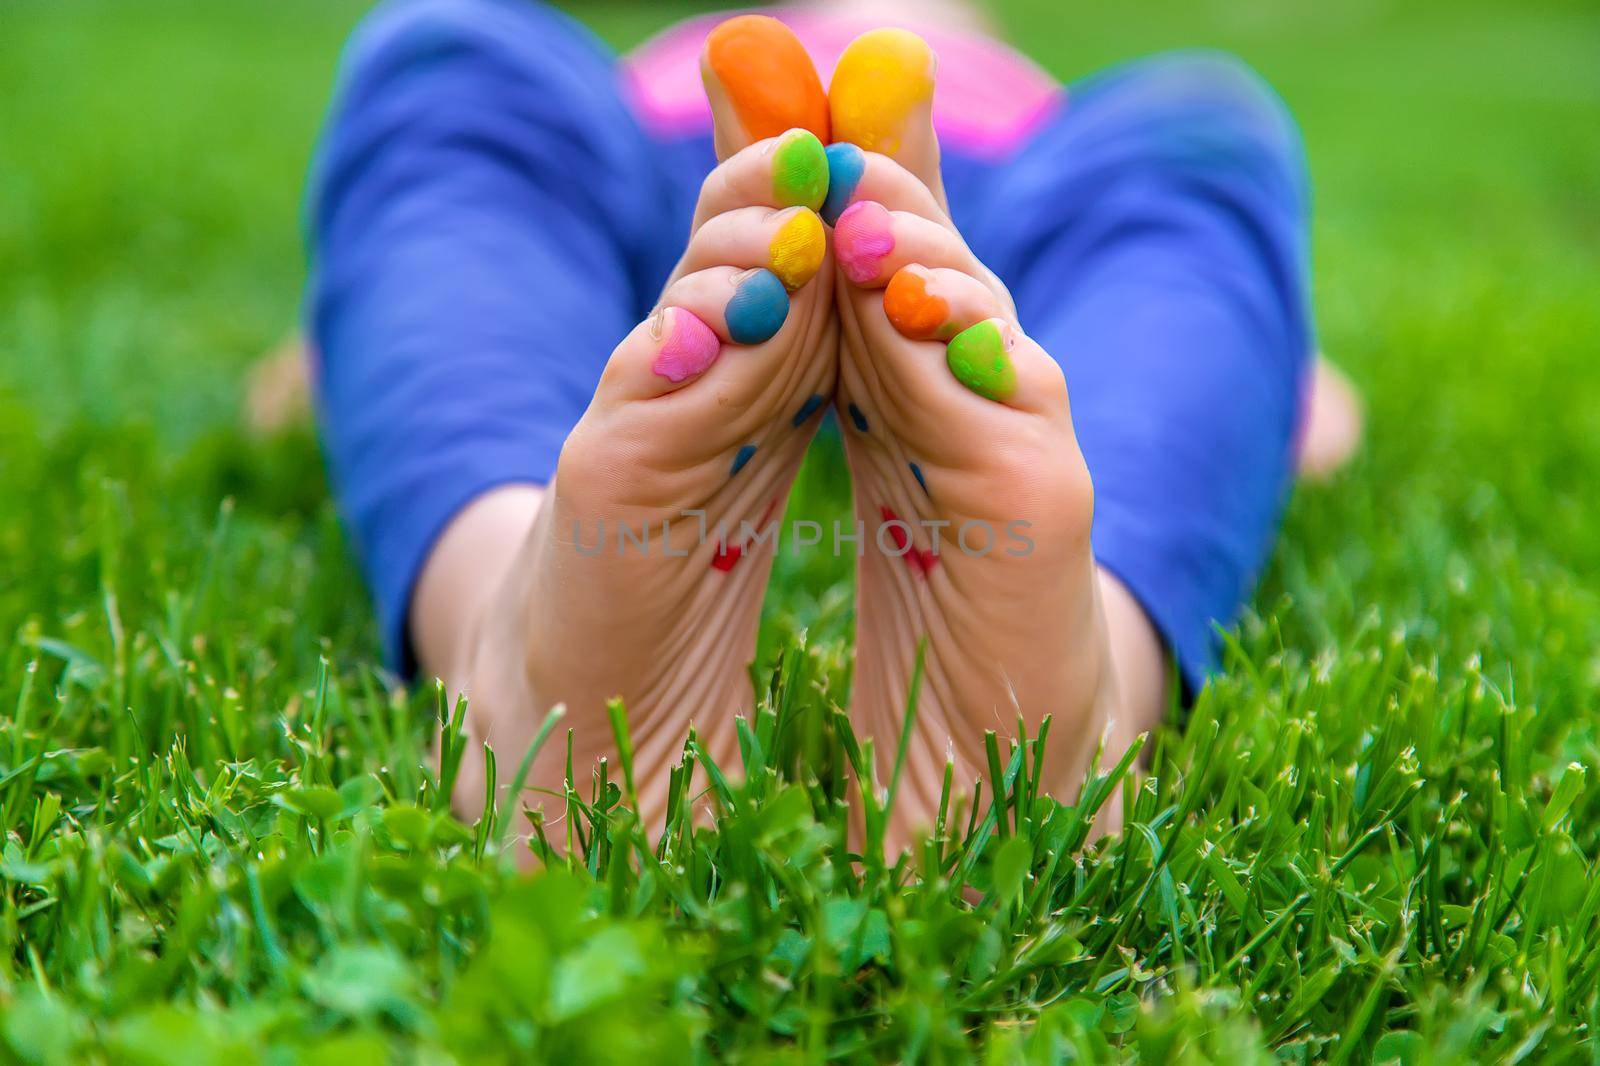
912,310
768,77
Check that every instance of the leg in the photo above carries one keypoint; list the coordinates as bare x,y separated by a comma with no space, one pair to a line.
1167,271
483,234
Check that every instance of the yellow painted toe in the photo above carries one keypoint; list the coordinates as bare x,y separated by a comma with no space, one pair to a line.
882,80
798,248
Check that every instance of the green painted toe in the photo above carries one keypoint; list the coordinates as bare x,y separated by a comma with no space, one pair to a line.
977,357
800,171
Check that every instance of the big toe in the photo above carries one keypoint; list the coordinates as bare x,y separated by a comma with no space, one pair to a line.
881,99
761,83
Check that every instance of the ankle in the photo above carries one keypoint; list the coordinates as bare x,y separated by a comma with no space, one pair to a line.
461,586
1137,666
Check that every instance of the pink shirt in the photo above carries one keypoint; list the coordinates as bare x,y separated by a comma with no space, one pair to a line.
988,98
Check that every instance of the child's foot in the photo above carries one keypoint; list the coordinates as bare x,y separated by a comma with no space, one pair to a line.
623,586
968,478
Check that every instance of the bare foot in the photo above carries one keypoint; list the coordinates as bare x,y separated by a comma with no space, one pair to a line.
1330,426
975,497
622,586
277,393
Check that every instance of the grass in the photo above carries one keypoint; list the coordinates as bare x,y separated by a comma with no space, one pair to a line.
1374,837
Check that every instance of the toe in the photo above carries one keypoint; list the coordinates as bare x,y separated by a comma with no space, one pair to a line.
926,304
791,243
855,175
980,359
665,352
796,250
760,82
699,316
881,99
847,165
998,362
923,388
871,243
798,170
730,338
757,309
740,306
790,170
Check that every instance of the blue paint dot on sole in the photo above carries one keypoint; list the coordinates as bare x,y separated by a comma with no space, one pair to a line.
858,418
742,458
808,409
916,472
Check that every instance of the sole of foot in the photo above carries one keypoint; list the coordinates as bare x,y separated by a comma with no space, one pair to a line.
974,497
643,573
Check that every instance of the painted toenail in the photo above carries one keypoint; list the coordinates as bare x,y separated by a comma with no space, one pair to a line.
916,472
858,418
800,171
758,308
846,163
913,310
742,458
797,249
884,76
688,345
862,238
978,358
807,409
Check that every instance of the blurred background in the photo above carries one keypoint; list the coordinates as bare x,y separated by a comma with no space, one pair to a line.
152,157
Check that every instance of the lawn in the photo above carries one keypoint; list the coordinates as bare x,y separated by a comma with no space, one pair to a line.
1373,837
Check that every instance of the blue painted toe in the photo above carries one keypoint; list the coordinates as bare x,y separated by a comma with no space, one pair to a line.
845,166
758,308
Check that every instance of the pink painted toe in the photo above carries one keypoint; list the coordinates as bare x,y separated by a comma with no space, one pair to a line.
688,346
861,238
